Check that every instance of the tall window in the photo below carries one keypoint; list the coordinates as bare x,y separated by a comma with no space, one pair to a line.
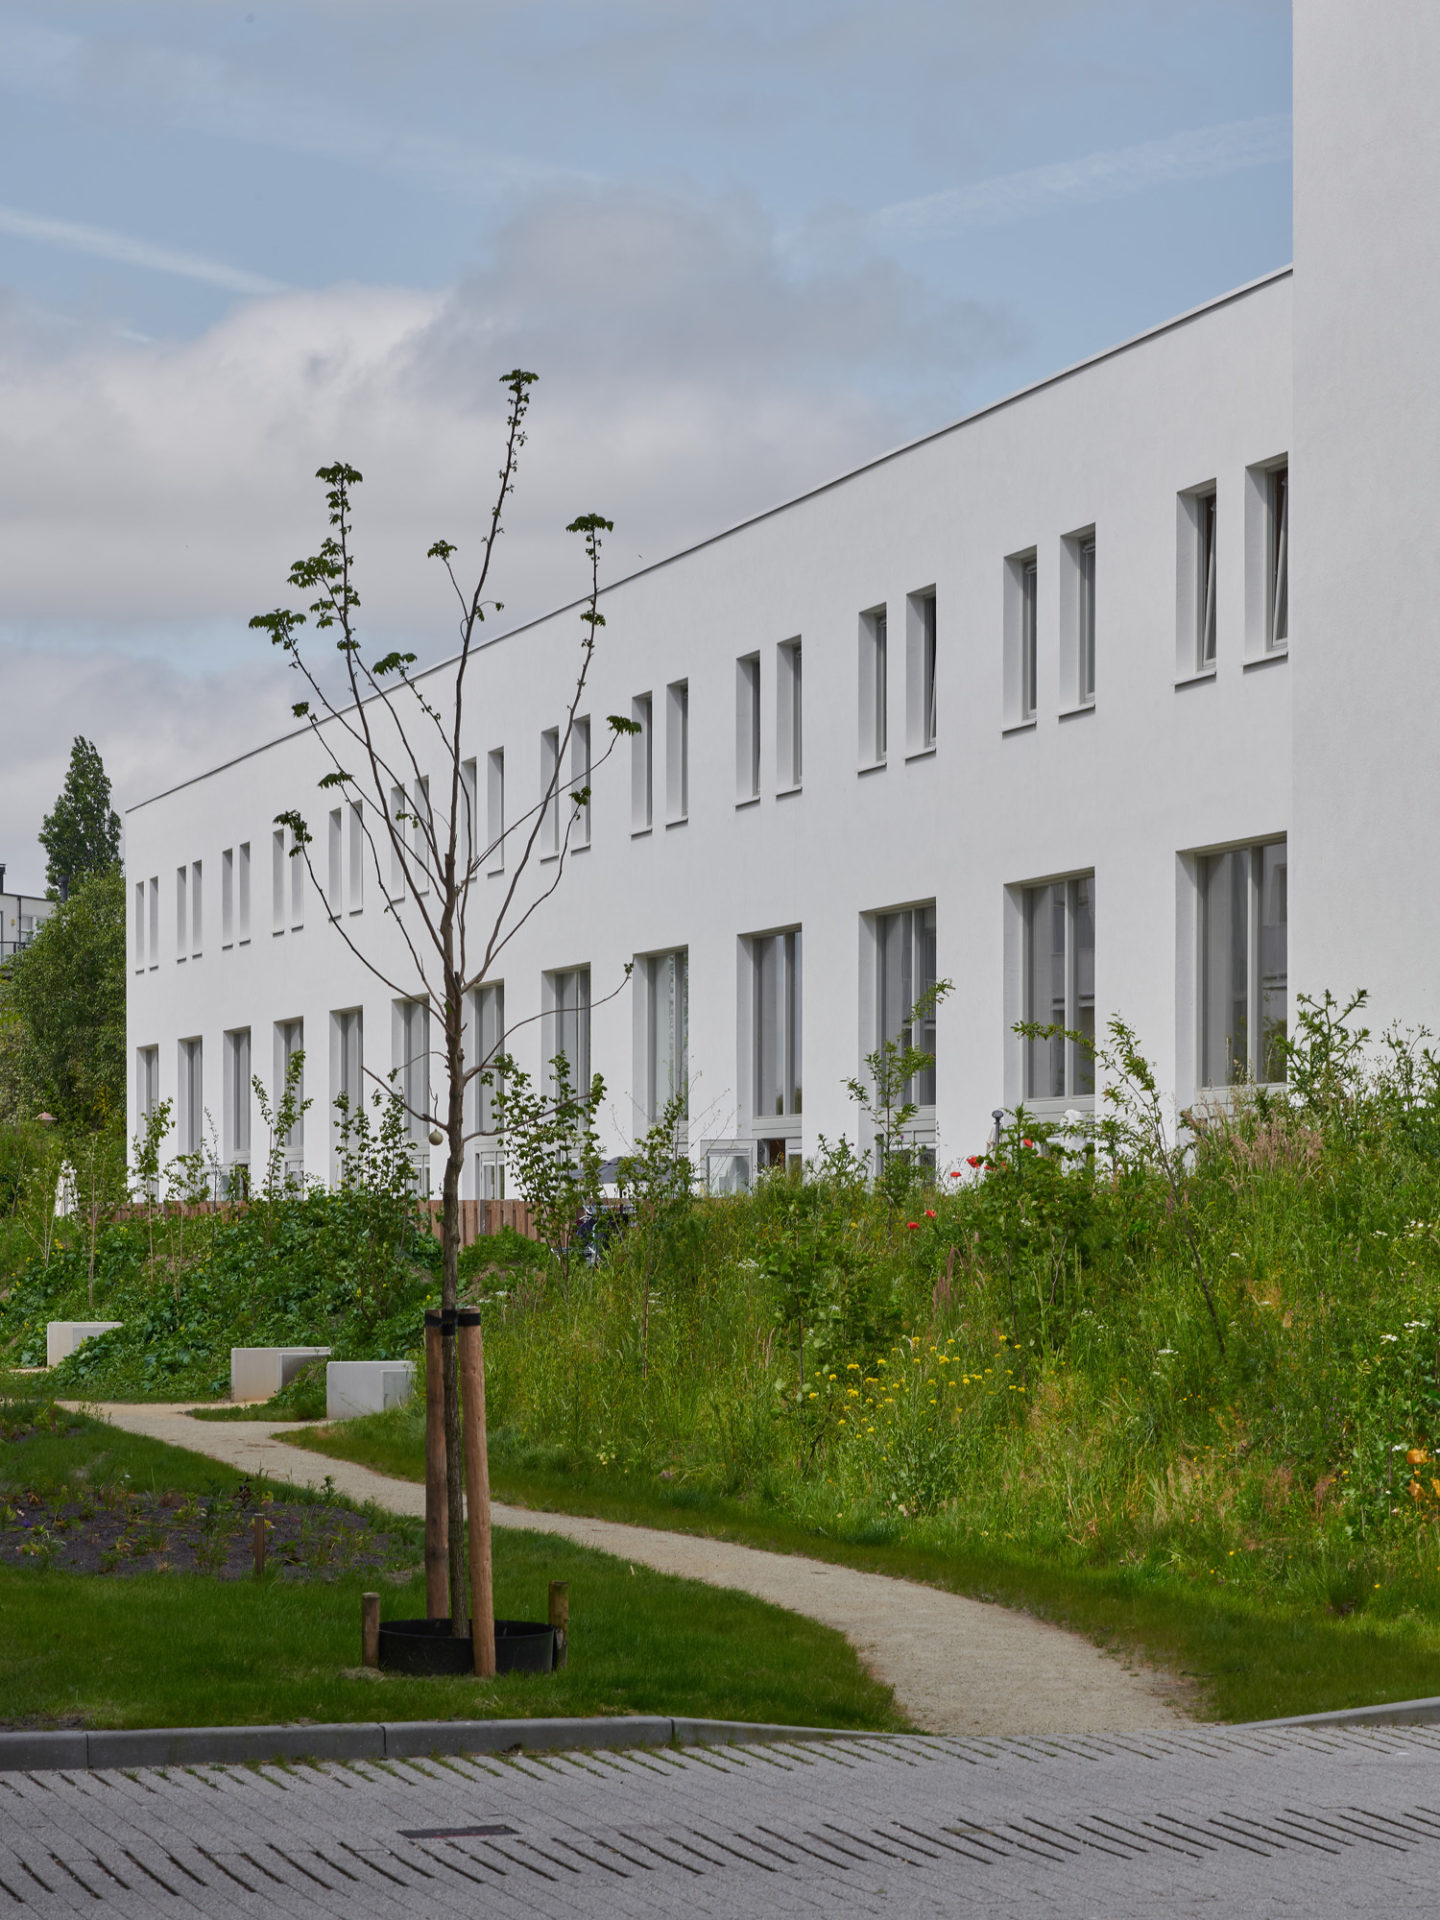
677,751
182,912
923,670
153,891
1029,636
570,1024
489,1015
422,827
290,1041
350,1059
227,897
297,885
904,971
1205,578
790,716
191,1116
495,810
237,1097
549,790
580,783
1244,995
874,687
147,1080
747,728
277,880
1277,596
413,1046
1060,987
356,820
138,940
335,873
642,764
668,1063
778,1024
1085,632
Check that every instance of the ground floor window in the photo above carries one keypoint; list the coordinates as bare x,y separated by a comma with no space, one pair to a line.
569,1024
778,1024
904,973
1060,987
668,1063
1244,992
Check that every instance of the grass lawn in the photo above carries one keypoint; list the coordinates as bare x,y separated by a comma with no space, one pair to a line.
1251,1659
181,1649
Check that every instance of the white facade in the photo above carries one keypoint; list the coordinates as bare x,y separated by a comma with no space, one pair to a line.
1059,540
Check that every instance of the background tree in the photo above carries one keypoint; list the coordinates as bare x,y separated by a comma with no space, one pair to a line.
81,834
63,1005
392,745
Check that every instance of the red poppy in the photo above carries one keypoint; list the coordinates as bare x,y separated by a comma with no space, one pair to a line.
929,1213
955,1171
1027,1143
912,1226
973,1161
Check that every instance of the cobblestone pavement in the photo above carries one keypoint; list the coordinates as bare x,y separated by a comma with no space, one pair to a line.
1209,1821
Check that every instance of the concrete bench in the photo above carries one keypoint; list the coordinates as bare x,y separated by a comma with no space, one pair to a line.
62,1337
258,1373
366,1386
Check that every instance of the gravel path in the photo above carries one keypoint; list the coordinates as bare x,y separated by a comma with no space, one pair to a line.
956,1665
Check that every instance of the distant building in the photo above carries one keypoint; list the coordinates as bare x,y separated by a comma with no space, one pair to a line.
21,916
1069,702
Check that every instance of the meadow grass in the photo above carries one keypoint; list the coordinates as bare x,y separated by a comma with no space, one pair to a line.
181,1649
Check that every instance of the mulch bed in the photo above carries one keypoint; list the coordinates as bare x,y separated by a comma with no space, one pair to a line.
117,1530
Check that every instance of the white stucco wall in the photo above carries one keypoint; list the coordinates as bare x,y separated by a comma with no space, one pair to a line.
1164,764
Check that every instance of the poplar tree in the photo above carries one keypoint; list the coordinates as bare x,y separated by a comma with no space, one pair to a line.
81,834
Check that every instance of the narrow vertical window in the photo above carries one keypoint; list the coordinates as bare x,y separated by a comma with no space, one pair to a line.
549,792
335,873
289,1047
1278,557
197,911
1085,632
138,938
297,884
1243,965
147,1081
642,764
191,1116
182,912
242,890
789,716
929,667
422,826
668,1051
356,824
677,751
874,687
349,1068
1029,636
1205,614
747,728
904,974
580,783
227,897
489,1018
495,810
467,836
399,820
1060,988
570,1026
237,1103
777,1025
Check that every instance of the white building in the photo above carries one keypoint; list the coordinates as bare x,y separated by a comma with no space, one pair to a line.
1043,703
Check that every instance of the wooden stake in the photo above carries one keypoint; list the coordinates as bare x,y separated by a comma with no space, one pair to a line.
370,1629
257,1541
437,1516
477,1489
560,1619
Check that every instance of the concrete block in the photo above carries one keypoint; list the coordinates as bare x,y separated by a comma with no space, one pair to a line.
221,1746
366,1386
24,1752
257,1373
62,1337
413,1739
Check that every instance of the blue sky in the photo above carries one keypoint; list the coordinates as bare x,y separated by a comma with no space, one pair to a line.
744,246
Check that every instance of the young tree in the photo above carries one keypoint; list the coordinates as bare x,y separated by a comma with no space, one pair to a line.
66,996
392,742
81,834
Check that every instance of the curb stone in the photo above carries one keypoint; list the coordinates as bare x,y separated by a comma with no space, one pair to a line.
380,1740
1393,1713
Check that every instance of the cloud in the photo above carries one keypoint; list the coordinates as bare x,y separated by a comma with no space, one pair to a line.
101,243
155,494
1201,154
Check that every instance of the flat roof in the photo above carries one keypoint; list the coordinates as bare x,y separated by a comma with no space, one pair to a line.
783,506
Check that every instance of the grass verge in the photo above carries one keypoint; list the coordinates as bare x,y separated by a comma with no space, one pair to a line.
185,1650
1249,1658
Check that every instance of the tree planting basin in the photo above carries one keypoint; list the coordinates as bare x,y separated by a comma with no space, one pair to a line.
428,1646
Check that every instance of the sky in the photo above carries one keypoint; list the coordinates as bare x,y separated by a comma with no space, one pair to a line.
744,246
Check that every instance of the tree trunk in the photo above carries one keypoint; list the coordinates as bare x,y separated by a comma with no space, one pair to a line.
449,1296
